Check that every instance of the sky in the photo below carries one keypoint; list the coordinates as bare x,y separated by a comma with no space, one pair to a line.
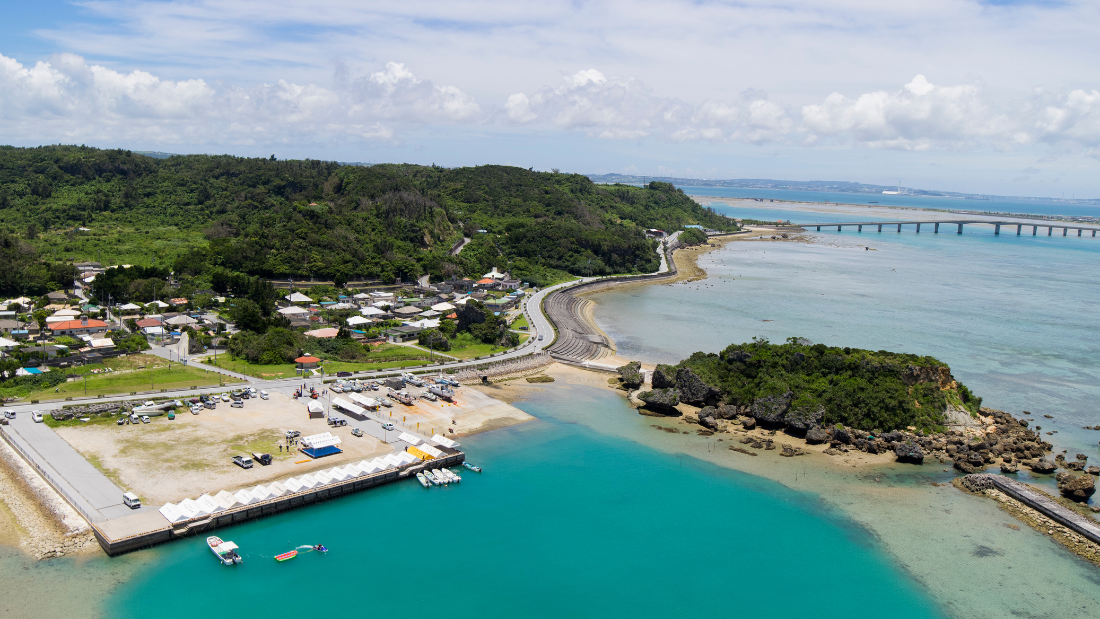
998,97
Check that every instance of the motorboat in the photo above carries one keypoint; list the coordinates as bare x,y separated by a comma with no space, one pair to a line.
431,478
441,476
423,480
454,476
476,469
226,552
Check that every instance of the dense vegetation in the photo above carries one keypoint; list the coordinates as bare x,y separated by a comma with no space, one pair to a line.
198,215
858,388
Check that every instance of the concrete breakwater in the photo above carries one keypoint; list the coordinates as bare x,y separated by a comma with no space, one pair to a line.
1040,502
149,528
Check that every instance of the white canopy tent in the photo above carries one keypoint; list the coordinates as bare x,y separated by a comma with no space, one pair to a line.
393,461
348,406
307,481
244,497
407,458
172,513
408,438
188,509
209,505
338,473
261,493
368,403
324,439
293,485
277,489
323,478
443,441
382,464
367,467
428,449
226,500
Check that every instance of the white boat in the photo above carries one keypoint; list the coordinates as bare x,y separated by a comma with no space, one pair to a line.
423,480
428,475
226,552
441,476
454,476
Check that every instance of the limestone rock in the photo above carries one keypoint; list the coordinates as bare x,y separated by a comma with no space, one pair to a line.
693,390
803,417
748,423
816,436
725,411
661,399
1076,487
909,451
631,375
1009,467
664,377
1094,470
739,356
706,418
771,409
1042,465
841,435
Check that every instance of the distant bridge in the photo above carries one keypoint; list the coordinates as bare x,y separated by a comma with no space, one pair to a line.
1051,227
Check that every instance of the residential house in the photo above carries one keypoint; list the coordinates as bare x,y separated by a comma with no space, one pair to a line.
406,312
58,296
307,362
402,334
329,332
8,325
77,327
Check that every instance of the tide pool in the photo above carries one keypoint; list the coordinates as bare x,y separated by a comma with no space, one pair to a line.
564,522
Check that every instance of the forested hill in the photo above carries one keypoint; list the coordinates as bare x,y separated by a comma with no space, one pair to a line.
270,218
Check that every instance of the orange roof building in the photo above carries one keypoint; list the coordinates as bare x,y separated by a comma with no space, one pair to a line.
77,327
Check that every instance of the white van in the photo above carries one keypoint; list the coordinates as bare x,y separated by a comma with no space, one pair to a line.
131,500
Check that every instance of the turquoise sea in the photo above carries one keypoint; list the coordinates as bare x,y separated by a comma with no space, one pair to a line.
590,511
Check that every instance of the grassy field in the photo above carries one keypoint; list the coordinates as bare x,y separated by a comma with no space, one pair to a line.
474,350
131,373
120,244
520,322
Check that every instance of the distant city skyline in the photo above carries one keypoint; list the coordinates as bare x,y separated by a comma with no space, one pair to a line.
992,97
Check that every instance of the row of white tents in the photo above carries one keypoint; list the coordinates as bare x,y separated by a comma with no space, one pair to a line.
207,505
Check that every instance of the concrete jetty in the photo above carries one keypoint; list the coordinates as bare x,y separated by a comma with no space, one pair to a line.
1036,500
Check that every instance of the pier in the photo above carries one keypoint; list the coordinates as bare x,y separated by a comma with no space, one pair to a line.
1021,228
1038,501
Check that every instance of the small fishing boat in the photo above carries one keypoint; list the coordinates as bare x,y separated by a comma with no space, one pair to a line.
476,469
431,478
454,476
423,480
286,556
441,477
226,552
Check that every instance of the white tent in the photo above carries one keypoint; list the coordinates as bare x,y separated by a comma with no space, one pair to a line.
323,478
371,311
188,509
324,439
292,310
261,493
293,485
407,458
443,441
172,513
443,307
244,497
368,467
354,470
368,403
348,406
314,406
276,489
226,500
382,464
209,505
393,461
297,297
408,438
358,320
307,481
338,473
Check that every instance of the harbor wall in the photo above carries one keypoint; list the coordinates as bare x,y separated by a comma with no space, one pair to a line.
1037,501
120,544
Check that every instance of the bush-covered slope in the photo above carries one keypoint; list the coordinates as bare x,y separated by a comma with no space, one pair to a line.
798,384
322,219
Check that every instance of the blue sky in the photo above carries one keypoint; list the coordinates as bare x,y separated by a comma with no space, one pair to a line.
994,97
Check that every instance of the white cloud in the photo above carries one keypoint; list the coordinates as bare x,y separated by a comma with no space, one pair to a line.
66,99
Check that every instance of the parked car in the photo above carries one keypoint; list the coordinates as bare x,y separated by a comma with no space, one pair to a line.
36,416
263,395
523,328
356,432
211,404
225,397
196,401
388,426
336,421
131,500
293,434
145,419
343,374
121,421
236,404
196,409
236,395
241,461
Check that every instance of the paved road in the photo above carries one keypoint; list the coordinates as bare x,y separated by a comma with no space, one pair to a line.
88,489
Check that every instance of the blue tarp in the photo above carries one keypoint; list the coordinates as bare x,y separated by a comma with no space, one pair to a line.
322,452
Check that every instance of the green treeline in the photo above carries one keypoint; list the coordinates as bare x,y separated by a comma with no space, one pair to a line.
197,215
862,389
